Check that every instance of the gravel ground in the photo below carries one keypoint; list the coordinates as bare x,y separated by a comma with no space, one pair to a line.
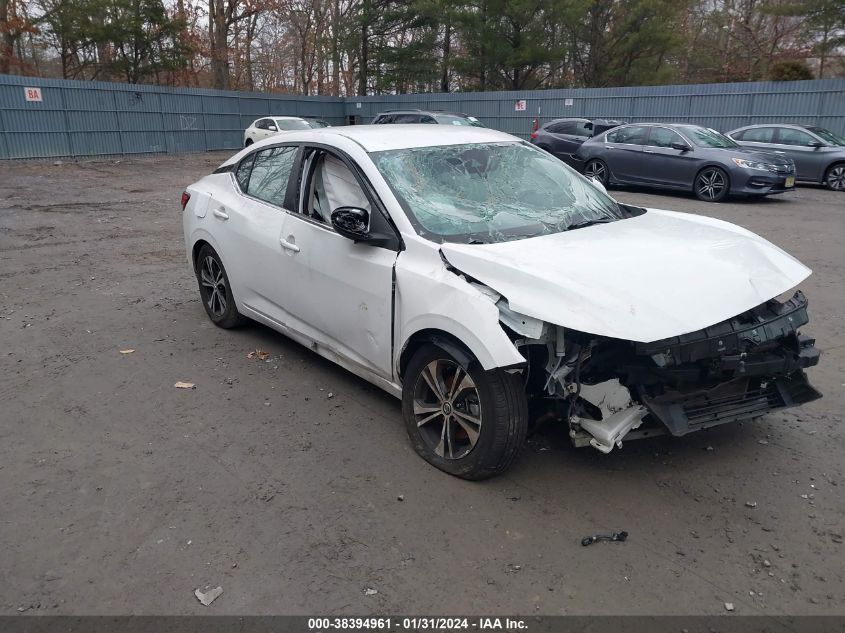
121,494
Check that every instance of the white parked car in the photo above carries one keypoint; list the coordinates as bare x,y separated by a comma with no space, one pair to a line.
271,125
479,278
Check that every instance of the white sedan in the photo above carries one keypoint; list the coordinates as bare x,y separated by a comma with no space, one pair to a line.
268,126
479,279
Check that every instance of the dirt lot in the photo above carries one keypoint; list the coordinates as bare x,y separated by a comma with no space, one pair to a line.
121,494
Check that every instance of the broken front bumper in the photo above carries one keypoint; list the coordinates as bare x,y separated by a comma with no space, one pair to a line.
736,370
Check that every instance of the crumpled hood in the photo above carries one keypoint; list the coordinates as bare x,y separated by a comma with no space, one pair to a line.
643,279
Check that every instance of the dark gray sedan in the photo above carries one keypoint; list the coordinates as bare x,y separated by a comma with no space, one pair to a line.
819,154
563,137
685,158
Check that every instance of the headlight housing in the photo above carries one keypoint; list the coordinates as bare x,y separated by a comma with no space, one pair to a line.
753,164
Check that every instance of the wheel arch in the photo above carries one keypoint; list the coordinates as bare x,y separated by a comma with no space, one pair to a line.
829,166
719,166
442,339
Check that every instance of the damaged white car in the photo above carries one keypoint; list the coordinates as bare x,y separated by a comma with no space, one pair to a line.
488,285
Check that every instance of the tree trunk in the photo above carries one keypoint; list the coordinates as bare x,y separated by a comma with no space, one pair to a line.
7,39
447,49
363,62
219,37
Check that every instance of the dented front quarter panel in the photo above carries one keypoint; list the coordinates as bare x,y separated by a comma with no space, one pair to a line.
430,297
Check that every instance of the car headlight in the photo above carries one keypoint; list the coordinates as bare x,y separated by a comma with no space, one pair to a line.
752,164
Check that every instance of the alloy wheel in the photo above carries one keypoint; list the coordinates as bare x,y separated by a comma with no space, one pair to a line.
596,169
711,184
836,178
447,409
214,285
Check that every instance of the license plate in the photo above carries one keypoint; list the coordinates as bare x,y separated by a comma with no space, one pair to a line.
790,181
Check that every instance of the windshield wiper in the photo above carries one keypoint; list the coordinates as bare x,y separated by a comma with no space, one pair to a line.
585,224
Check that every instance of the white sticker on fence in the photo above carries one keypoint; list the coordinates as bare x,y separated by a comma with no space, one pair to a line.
32,94
568,102
520,106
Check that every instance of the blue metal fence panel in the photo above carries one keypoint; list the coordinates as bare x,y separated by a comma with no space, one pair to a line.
78,118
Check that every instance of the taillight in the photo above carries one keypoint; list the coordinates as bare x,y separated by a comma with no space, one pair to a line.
533,136
185,197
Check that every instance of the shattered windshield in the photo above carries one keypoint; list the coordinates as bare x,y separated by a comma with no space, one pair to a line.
491,192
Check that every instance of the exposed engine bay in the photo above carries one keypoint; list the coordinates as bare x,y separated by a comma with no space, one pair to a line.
608,389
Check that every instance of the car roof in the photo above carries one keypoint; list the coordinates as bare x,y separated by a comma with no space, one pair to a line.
377,138
417,111
794,126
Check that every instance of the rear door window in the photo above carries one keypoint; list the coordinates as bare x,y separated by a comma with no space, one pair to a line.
406,118
268,178
243,171
564,127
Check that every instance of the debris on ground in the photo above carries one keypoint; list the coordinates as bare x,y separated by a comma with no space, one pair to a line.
259,353
709,448
207,597
127,351
184,385
615,536
400,498
512,569
750,504
369,591
331,395
729,606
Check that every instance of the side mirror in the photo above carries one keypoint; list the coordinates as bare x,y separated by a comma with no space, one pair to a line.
597,183
272,128
682,147
815,144
352,223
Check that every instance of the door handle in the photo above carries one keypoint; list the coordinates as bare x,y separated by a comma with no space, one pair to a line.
221,214
288,246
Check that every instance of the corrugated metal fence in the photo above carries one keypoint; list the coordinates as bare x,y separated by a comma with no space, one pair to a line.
85,118
76,118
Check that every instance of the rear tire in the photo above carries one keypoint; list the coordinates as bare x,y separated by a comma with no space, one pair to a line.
834,177
712,184
466,421
215,290
597,169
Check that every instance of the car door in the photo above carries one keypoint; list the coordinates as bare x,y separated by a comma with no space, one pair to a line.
624,152
566,137
340,292
804,148
249,227
665,165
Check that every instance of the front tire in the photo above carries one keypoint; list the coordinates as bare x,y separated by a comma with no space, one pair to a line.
248,142
215,290
712,184
834,177
466,421
597,169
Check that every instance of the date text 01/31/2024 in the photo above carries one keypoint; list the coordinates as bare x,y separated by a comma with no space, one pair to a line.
416,624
